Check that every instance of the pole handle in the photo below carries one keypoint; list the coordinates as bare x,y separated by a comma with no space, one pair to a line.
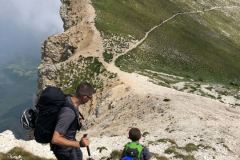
88,149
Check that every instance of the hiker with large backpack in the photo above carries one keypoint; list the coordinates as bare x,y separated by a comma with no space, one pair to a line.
134,150
57,119
63,143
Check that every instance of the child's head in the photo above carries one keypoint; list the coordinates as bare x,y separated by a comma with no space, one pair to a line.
134,134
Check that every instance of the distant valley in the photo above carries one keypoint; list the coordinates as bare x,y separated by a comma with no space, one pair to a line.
18,81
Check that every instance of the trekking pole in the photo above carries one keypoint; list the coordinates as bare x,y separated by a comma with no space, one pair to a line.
88,149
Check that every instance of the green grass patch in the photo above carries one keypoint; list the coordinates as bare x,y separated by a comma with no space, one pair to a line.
171,150
165,140
107,56
88,69
177,153
134,17
206,147
19,152
158,157
116,154
190,147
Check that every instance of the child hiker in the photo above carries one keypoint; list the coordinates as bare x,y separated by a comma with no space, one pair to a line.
134,150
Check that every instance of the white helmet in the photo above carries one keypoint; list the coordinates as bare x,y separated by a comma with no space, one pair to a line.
28,119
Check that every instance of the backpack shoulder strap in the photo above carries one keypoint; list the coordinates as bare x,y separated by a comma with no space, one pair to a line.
78,115
69,106
140,149
126,146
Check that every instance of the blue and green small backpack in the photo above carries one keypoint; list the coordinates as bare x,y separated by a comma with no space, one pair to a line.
132,151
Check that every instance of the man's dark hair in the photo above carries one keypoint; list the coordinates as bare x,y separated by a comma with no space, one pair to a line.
84,89
134,134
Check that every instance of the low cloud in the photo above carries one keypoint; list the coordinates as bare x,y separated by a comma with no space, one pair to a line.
40,15
25,24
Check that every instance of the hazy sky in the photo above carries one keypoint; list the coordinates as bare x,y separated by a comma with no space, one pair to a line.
24,24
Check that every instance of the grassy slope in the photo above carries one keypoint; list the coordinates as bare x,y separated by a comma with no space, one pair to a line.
133,17
183,46
15,152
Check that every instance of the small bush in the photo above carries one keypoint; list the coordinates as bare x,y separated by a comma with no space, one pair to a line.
116,155
145,134
3,156
166,99
234,84
107,56
158,157
170,150
191,147
165,140
101,149
162,158
206,147
174,150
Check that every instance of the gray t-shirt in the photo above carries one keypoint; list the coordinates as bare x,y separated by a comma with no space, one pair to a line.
64,123
67,123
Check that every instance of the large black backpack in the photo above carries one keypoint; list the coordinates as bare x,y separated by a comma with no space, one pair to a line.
50,102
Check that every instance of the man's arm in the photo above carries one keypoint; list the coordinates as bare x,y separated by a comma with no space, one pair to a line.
65,118
59,139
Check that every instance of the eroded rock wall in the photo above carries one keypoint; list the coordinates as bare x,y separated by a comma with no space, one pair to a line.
76,54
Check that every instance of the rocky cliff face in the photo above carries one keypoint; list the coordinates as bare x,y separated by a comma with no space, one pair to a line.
175,124
74,55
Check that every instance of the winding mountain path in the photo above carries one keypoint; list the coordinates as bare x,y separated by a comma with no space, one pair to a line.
140,83
167,20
